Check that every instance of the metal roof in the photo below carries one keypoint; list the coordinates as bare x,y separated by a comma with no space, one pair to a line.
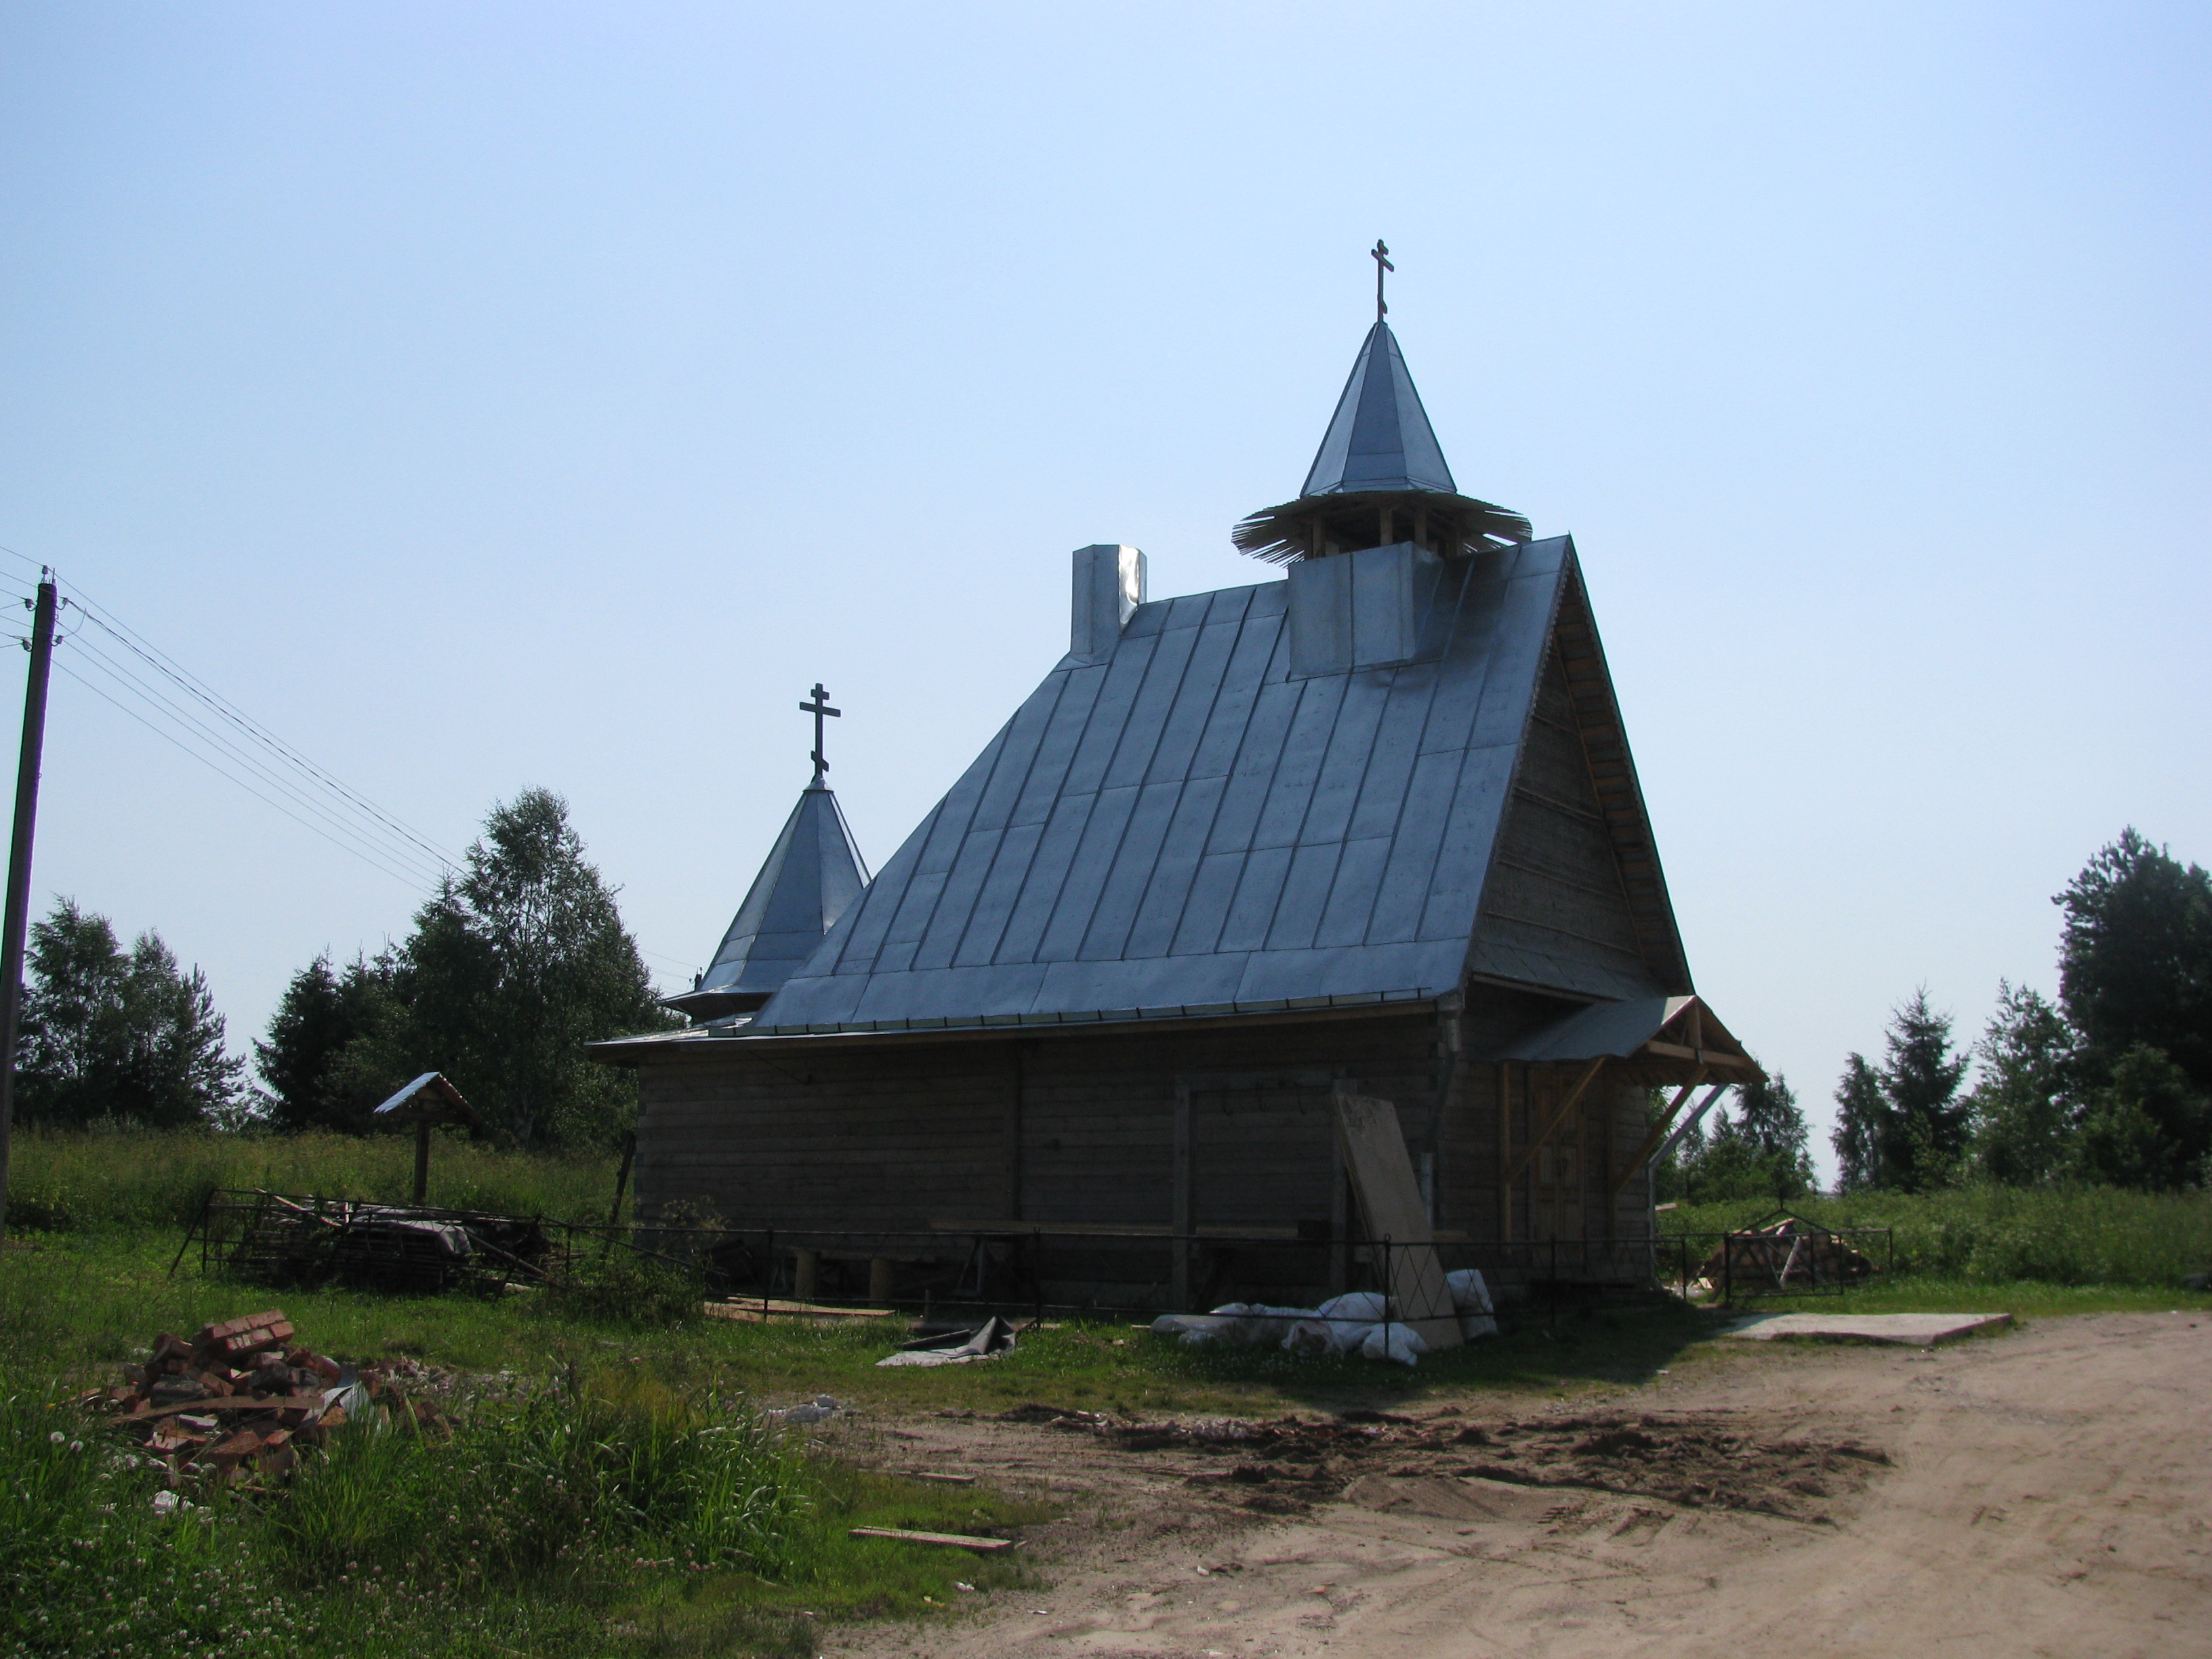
1180,824
813,873
1617,1029
1380,437
430,1099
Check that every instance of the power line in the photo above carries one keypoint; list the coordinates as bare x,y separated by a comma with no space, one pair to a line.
190,684
405,880
398,852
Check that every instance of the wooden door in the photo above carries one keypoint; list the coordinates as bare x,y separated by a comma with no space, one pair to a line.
1558,1178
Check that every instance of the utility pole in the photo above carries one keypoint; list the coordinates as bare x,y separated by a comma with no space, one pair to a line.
17,921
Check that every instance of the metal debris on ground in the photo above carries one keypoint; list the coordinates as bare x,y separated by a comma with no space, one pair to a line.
820,1409
233,1404
989,1340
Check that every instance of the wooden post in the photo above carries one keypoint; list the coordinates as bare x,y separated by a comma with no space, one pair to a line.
879,1279
18,916
806,1274
1013,1135
422,1160
1339,1216
1505,1150
1184,1212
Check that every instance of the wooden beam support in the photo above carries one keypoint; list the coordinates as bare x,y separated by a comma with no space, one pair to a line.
1643,1153
1559,1115
1712,1059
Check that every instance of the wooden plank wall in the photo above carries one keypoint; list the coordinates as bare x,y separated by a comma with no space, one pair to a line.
1069,1129
1555,884
1081,1129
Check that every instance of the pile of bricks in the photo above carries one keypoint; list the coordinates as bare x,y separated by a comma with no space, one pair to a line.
235,1402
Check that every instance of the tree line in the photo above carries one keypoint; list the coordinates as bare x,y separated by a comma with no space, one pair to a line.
2111,1086
517,961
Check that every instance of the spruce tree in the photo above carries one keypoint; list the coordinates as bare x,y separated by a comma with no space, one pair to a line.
1862,1127
335,1046
1928,1121
2023,1098
2134,960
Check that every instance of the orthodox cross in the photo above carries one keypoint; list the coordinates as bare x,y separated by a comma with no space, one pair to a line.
818,707
1381,254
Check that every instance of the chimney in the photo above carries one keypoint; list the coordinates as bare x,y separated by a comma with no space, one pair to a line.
1110,584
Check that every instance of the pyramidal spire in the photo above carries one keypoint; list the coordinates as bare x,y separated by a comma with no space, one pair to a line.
813,872
1380,437
1379,476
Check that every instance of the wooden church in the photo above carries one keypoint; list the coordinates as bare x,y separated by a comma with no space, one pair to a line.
1373,824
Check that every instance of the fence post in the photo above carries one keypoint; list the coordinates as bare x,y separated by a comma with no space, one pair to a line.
1037,1270
1386,1294
768,1275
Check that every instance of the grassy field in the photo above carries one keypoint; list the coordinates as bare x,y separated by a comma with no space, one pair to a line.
386,1550
96,1181
2073,1237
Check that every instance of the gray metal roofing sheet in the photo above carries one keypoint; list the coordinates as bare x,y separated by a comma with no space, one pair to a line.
1607,1028
1182,823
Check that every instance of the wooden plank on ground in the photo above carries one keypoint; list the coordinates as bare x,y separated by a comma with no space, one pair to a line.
1390,1199
948,1539
748,1311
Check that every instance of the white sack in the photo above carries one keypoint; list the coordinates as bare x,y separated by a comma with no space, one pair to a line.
1468,1292
1396,1341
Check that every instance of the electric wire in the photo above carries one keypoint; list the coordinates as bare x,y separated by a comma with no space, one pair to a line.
88,653
350,821
158,660
97,691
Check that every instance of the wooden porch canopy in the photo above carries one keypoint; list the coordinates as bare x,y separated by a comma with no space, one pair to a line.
1656,1041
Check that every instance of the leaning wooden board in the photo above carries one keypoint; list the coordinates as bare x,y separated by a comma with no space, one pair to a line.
1390,1201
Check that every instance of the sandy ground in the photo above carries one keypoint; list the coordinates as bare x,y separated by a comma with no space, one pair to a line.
2043,1492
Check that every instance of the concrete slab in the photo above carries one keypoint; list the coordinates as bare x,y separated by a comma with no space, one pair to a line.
1919,1330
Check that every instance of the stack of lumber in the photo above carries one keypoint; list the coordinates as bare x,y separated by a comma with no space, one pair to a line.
234,1402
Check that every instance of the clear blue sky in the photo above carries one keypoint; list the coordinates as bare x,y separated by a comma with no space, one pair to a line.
498,395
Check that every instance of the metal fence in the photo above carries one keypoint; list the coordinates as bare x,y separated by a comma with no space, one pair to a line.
1745,1266
769,1272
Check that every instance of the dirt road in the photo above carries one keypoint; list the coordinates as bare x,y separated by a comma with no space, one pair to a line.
2047,1492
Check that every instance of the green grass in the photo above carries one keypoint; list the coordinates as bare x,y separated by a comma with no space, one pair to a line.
613,1504
86,1181
744,1539
2025,1299
1996,1235
70,1305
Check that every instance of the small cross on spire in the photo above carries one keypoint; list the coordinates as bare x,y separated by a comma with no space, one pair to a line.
1381,254
819,707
